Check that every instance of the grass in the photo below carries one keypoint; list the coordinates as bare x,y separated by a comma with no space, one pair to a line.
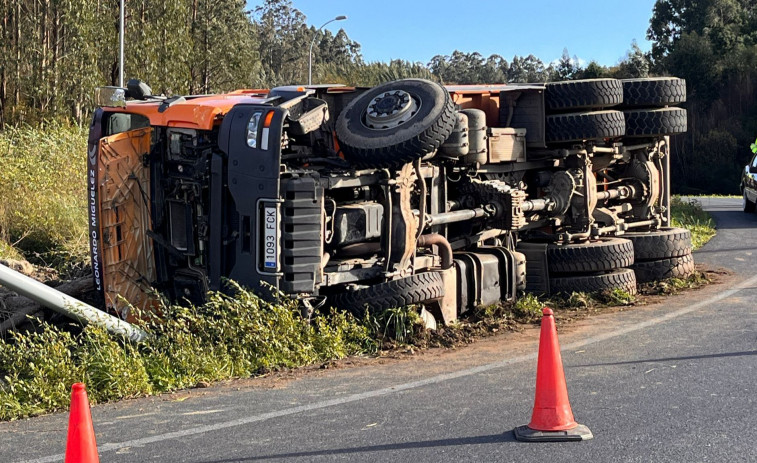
43,199
228,337
675,285
688,213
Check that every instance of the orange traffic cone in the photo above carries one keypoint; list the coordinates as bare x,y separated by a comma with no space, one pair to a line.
80,445
552,419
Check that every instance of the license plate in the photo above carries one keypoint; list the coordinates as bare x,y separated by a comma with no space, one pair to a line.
270,238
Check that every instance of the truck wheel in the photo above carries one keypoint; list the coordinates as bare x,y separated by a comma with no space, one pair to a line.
580,94
654,122
655,91
421,287
585,126
592,256
662,269
749,206
622,278
395,123
660,244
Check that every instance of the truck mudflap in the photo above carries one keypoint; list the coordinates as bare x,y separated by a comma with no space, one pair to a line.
119,221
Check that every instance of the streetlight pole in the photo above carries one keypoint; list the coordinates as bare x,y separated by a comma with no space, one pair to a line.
121,48
312,42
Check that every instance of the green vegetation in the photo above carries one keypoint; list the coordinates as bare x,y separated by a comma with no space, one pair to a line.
713,45
688,213
43,198
675,285
228,337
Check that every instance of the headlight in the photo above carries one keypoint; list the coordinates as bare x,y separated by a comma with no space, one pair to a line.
252,129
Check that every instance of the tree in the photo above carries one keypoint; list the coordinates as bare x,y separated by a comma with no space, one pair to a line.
225,52
713,45
528,69
468,68
282,31
593,70
635,65
567,68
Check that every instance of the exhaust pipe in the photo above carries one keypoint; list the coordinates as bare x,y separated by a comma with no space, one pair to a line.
445,249
67,305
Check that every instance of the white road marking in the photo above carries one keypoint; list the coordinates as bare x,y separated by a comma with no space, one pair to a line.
203,412
402,387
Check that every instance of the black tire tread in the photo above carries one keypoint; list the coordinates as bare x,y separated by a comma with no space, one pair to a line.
654,91
413,289
654,122
663,269
749,206
593,256
585,126
579,94
660,244
397,150
623,278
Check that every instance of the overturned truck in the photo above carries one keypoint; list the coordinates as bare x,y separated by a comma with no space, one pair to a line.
371,198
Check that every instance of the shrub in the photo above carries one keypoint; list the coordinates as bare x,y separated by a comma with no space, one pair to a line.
43,188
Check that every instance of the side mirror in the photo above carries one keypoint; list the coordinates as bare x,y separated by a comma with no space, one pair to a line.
751,169
114,97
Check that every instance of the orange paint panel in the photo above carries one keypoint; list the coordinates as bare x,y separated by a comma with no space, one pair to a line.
128,258
201,113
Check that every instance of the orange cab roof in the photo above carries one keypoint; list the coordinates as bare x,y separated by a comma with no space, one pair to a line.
196,112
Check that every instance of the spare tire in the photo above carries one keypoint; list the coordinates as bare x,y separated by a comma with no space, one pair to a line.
592,256
395,123
662,269
585,126
414,289
660,244
622,278
655,122
654,91
581,94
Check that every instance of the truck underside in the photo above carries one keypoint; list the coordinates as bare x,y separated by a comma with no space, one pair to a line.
405,193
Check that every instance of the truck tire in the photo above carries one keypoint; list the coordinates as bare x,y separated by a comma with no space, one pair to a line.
653,91
660,244
749,206
583,94
414,289
592,256
395,123
662,269
622,278
585,126
655,122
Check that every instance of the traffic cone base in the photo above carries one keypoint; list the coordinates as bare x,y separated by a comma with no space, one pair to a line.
579,432
552,419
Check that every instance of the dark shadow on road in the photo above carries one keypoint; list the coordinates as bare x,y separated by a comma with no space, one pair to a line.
726,220
668,359
473,440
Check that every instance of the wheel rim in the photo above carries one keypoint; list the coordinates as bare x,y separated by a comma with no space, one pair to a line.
390,109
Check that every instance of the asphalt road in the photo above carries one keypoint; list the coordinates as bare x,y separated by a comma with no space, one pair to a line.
668,382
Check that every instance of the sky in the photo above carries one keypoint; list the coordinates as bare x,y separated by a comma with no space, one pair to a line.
417,30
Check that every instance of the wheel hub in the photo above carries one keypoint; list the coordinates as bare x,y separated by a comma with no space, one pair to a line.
390,109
